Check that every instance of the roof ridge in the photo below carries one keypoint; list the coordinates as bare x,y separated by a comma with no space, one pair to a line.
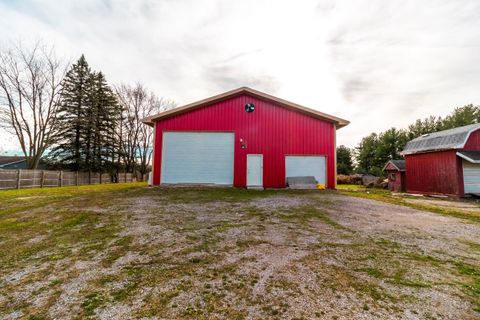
232,93
454,138
446,131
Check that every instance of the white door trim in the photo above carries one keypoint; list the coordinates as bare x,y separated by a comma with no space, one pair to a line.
261,169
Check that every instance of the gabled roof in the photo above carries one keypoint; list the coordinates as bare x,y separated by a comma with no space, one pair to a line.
470,156
254,93
442,140
397,164
6,160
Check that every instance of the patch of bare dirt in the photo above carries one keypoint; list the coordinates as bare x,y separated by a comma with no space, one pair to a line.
262,258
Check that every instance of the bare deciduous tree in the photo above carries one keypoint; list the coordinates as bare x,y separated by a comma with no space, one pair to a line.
29,86
135,138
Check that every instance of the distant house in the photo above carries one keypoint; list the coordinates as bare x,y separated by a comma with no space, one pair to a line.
12,163
445,162
396,175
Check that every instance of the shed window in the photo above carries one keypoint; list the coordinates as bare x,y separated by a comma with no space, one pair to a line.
392,177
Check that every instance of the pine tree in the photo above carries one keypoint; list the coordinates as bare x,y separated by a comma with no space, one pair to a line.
461,116
102,119
390,144
88,119
71,116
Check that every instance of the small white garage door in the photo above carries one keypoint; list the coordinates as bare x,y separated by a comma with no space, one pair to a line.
197,157
300,166
471,177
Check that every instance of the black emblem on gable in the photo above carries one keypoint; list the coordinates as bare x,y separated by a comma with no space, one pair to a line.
249,107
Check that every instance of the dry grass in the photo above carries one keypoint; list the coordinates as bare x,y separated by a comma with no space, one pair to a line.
127,251
440,206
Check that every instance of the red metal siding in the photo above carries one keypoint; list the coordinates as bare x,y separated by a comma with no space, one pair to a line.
390,167
434,173
396,180
270,130
403,181
473,142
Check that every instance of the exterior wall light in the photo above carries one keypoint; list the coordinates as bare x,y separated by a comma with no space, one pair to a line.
243,144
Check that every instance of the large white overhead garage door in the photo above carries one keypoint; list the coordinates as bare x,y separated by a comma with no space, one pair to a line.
471,177
301,166
197,157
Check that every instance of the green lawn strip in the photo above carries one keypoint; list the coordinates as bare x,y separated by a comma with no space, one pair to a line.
350,187
12,206
473,285
15,203
202,195
385,196
70,190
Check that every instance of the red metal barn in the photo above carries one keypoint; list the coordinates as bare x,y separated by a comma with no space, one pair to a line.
396,175
243,138
445,162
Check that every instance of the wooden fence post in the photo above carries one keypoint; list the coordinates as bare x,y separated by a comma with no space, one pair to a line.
18,178
89,177
42,179
100,178
76,180
61,178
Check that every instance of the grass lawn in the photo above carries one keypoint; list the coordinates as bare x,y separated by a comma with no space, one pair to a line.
127,251
440,206
350,187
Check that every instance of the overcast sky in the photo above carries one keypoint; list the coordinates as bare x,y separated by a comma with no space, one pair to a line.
376,63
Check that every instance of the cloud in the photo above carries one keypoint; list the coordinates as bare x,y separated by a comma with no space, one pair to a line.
376,63
227,78
399,61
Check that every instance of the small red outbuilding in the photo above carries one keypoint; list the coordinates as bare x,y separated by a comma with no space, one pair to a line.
396,175
445,162
243,138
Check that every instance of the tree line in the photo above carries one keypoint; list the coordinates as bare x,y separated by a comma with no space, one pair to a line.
376,149
69,117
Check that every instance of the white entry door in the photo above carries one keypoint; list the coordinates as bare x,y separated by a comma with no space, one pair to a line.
197,157
302,166
254,170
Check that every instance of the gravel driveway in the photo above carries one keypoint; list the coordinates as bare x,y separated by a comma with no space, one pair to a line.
236,254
